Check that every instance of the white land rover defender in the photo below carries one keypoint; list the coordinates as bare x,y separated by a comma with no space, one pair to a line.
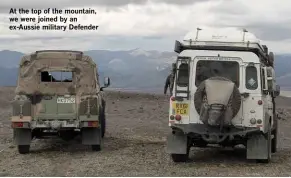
224,93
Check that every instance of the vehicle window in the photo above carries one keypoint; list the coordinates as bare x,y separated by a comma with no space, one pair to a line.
207,68
58,76
251,78
183,75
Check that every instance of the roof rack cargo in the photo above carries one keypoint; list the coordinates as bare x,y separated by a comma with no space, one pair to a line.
224,42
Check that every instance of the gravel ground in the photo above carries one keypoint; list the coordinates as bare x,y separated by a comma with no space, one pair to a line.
134,145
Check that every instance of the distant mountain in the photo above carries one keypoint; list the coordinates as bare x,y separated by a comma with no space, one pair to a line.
135,68
283,70
127,69
10,59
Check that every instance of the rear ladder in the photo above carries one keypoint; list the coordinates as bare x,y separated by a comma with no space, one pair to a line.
182,60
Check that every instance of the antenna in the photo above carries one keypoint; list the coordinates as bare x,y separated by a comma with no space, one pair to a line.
198,29
244,33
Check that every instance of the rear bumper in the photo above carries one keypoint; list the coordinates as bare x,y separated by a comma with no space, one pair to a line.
28,122
201,129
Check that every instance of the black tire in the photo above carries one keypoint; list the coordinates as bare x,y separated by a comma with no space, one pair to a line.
103,121
23,149
200,144
177,158
96,147
275,139
274,143
67,135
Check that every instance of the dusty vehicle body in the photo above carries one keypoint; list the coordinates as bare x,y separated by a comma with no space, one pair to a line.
223,94
45,107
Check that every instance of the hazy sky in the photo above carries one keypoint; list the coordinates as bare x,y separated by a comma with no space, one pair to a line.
150,24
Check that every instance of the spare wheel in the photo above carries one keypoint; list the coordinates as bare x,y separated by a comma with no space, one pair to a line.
200,94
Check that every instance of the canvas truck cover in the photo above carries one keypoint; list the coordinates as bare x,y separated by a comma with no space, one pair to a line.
84,82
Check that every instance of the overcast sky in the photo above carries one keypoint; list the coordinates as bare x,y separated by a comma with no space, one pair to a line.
150,25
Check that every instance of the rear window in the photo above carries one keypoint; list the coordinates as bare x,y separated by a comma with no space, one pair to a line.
251,78
183,75
58,76
206,69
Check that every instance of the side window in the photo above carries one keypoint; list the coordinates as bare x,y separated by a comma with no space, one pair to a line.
251,78
183,75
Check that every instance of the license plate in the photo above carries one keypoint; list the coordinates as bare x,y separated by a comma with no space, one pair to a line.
181,108
65,100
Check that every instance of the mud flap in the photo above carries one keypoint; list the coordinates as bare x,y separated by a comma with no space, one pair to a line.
91,136
22,136
257,147
177,143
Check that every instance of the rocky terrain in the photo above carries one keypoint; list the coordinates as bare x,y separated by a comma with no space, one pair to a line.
134,146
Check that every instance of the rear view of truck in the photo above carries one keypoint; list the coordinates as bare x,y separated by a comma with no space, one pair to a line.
224,94
58,94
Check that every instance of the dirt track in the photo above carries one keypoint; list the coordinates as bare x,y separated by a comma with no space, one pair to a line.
134,146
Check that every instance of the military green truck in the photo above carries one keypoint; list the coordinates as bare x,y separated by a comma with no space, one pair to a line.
58,94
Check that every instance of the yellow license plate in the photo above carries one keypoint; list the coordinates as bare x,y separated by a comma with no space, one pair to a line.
181,108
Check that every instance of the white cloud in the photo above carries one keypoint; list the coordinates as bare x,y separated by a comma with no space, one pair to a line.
154,24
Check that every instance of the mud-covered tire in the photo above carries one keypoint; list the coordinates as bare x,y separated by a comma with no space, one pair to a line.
200,92
96,147
23,149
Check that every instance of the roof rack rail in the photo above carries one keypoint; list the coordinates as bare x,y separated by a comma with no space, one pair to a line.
80,52
222,46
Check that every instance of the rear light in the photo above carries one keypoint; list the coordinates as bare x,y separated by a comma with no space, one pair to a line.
178,117
172,117
259,121
17,124
92,124
172,98
260,102
253,121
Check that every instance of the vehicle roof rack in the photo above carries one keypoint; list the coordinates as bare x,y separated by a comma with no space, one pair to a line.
41,51
223,42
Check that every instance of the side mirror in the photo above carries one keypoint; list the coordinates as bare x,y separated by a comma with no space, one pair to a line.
277,91
106,82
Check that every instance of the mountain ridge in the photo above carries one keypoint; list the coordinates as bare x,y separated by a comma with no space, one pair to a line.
135,68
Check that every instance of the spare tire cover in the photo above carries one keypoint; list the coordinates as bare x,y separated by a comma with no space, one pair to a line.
234,102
